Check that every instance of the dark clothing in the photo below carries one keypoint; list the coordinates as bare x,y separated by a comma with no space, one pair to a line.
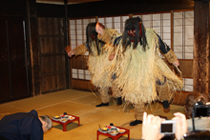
21,126
2,138
164,48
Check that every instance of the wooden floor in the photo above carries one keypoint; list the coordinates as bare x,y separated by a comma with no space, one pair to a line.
82,104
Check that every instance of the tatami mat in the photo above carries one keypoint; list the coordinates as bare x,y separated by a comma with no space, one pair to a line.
82,104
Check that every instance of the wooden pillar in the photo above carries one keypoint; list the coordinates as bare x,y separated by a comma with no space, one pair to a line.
32,43
66,42
201,47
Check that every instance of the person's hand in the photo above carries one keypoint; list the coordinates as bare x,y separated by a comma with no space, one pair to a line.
181,125
99,28
68,49
208,103
71,53
111,57
152,124
176,63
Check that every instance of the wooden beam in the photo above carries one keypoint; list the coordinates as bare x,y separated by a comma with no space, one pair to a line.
110,8
201,47
32,43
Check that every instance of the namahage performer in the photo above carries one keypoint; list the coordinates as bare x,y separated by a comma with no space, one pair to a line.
98,63
141,74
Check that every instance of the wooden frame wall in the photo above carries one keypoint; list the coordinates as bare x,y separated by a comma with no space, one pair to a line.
52,54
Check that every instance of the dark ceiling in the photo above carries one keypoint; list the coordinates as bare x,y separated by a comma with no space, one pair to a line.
62,1
116,1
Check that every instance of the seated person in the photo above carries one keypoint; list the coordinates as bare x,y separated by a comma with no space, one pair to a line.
201,123
24,126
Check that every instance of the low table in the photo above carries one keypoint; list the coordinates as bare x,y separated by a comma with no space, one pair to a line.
67,122
116,137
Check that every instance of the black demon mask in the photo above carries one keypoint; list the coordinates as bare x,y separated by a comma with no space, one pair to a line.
134,32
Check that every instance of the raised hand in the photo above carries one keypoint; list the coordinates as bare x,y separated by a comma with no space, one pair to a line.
176,63
69,51
152,124
99,28
181,125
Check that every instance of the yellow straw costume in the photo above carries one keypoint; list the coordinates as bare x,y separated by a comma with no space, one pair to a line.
137,72
98,65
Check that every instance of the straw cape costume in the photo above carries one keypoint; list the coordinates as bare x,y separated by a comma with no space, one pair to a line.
98,64
142,75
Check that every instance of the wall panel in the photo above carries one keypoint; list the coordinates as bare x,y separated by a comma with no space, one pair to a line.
14,82
52,54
